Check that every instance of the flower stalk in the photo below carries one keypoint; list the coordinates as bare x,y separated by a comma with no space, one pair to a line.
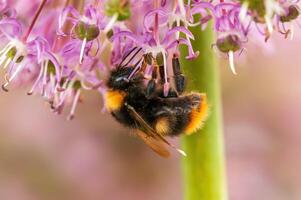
36,16
204,166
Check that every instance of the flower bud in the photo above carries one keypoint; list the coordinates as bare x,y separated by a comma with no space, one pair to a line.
77,85
228,43
82,31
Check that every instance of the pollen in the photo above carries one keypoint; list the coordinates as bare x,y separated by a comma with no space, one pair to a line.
162,126
198,116
114,99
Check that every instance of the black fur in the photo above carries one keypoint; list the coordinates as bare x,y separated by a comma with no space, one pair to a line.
175,108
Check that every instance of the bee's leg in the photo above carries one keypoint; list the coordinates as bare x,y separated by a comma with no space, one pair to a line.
179,78
171,92
151,85
180,105
162,75
195,99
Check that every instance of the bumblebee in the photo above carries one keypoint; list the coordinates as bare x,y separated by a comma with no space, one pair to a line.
139,103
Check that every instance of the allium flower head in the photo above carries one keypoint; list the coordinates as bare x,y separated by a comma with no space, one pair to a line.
49,72
15,55
68,48
290,13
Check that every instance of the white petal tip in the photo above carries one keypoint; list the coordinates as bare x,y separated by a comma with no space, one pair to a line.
82,51
231,62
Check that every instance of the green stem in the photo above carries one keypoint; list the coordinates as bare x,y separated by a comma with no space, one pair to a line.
204,166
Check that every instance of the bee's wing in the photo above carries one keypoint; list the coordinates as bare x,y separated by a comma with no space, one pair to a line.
156,145
150,132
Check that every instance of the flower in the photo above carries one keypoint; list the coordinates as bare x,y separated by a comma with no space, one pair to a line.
49,72
74,77
13,58
160,46
67,49
231,31
84,29
290,13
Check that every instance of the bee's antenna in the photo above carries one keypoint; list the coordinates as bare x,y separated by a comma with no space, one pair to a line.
136,67
127,55
133,56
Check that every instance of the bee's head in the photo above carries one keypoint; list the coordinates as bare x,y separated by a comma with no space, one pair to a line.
119,78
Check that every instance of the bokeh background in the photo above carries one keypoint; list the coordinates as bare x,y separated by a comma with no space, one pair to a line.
44,156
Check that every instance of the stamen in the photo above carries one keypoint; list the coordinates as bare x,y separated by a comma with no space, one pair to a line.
45,72
75,101
178,33
6,49
44,79
111,23
2,59
30,92
182,7
8,61
243,11
4,53
166,88
292,31
82,51
12,63
231,62
4,88
156,23
269,24
19,68
166,84
62,95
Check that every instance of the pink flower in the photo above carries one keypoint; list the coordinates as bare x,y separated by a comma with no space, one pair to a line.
66,51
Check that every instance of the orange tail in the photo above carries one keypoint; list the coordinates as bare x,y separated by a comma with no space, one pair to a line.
198,116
